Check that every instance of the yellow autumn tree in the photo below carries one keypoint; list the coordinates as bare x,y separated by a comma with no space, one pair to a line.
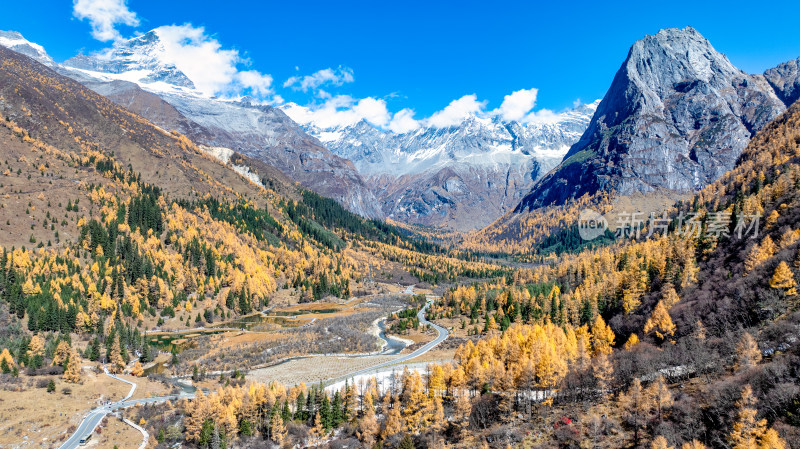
783,279
72,373
670,296
660,442
660,322
636,406
368,425
63,351
602,337
277,429
6,360
137,369
633,340
197,411
318,431
694,444
747,353
393,423
36,346
115,358
660,396
749,432
759,254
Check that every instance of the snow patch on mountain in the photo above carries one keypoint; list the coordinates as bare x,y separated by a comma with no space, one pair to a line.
476,141
15,41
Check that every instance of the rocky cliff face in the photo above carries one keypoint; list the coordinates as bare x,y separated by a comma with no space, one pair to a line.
785,79
462,176
677,115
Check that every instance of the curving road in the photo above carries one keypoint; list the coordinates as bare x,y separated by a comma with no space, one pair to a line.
93,418
442,336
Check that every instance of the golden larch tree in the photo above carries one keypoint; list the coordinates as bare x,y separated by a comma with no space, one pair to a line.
660,396
72,373
660,442
115,359
6,357
368,425
602,337
277,429
783,279
747,353
748,431
137,369
660,322
636,406
633,340
36,346
62,353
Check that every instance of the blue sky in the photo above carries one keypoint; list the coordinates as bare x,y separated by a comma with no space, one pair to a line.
422,55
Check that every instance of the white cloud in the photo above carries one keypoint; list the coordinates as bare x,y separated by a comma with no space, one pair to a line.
517,105
212,69
403,121
344,110
259,84
341,110
104,15
455,112
322,77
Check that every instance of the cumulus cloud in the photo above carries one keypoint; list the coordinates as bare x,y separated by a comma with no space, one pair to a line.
341,110
344,110
320,78
403,121
212,69
260,85
457,111
517,105
104,16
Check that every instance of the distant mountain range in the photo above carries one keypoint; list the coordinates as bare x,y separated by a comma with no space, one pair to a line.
463,176
135,74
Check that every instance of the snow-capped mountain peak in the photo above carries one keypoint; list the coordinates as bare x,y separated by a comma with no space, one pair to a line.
474,141
144,60
463,175
15,41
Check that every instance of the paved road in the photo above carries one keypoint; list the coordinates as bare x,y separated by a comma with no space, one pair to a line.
442,336
93,418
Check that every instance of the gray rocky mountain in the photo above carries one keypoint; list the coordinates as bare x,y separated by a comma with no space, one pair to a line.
677,115
785,79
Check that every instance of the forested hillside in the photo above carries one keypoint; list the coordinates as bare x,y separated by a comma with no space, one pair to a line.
678,340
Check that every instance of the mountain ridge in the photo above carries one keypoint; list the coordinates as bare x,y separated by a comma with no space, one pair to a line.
462,176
